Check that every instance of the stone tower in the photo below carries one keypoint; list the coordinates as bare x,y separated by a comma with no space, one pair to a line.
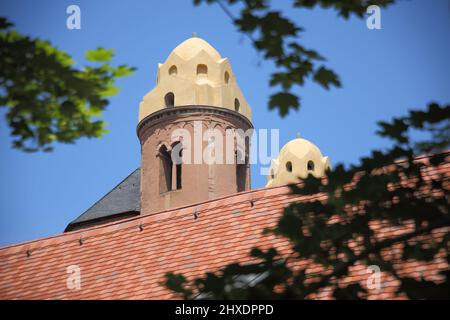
190,126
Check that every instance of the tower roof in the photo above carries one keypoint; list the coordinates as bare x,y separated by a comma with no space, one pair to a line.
195,74
122,201
191,47
299,147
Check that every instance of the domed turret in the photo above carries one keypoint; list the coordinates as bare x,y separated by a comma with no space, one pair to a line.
297,159
191,47
196,94
194,74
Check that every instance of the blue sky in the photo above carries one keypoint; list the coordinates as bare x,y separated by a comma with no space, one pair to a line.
384,73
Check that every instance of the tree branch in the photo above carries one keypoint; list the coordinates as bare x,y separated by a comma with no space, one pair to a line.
342,267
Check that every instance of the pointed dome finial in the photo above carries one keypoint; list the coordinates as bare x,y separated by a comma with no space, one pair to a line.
194,34
299,135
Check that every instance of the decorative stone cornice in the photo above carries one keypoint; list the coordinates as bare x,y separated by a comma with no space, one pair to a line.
190,110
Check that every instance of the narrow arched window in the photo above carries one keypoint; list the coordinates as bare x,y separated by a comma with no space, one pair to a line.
177,160
237,105
202,70
289,166
241,170
310,165
169,100
165,170
173,71
226,77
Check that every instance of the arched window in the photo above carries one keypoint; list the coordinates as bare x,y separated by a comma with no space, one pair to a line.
237,105
177,158
310,165
226,77
169,100
165,170
173,71
170,166
289,166
241,170
178,174
202,70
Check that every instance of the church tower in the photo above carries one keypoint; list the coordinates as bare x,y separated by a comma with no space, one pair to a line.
190,126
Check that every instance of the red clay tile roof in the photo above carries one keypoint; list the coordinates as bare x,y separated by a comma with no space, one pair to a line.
128,259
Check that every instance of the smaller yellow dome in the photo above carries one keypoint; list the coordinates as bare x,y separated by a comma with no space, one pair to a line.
297,159
300,148
190,48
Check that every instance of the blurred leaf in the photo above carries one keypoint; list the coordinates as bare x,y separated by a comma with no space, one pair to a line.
284,101
48,100
326,77
277,38
99,55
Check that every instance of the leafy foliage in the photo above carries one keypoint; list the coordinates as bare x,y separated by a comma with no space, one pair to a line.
48,100
324,233
276,37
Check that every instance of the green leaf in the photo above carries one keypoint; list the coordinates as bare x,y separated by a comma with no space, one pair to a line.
110,91
326,77
284,101
48,100
122,71
99,55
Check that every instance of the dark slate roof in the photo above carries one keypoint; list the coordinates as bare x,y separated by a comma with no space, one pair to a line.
124,199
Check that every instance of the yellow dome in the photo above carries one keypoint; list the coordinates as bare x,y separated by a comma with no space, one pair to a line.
195,74
300,148
297,159
190,48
